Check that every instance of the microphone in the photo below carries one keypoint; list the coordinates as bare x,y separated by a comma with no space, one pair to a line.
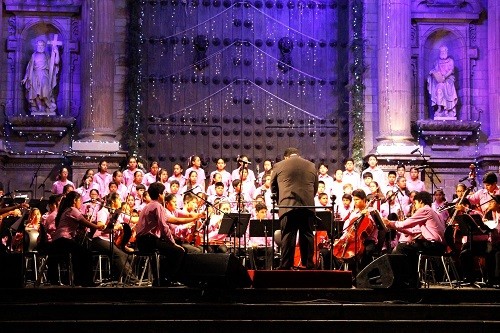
47,152
239,160
333,197
92,200
422,167
414,151
191,190
463,179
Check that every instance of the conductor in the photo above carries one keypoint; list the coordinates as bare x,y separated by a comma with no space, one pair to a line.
295,182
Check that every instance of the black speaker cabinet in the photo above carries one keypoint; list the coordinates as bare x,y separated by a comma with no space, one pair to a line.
11,275
214,270
387,271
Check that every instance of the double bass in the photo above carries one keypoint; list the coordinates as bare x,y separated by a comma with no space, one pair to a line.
351,243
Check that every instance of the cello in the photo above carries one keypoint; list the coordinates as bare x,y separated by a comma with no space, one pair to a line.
351,243
452,234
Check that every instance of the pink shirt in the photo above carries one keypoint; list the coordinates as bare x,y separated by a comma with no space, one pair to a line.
200,180
153,221
181,179
148,179
49,222
69,223
102,181
415,185
57,187
226,177
85,192
128,176
431,225
482,197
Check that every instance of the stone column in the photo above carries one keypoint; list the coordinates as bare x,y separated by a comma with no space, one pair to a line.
493,77
98,69
3,82
394,76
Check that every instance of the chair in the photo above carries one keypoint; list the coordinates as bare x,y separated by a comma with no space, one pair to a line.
102,266
142,261
64,264
30,256
428,270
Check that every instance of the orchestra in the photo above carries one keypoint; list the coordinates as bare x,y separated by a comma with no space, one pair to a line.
466,226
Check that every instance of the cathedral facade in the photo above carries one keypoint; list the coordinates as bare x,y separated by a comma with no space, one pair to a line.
165,80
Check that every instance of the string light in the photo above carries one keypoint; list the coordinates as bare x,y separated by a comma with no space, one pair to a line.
387,68
91,67
357,89
239,93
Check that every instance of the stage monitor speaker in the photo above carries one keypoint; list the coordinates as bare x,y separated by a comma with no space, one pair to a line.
214,270
12,270
387,271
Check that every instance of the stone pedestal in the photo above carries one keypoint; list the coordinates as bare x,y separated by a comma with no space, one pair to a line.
448,135
41,131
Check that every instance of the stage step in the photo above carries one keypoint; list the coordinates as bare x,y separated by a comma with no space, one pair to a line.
248,310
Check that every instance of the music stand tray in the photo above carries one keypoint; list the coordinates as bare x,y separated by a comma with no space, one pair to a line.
472,223
257,227
230,226
324,222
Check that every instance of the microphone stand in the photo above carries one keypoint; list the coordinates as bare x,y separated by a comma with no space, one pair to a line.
206,223
333,197
273,217
243,167
34,179
431,174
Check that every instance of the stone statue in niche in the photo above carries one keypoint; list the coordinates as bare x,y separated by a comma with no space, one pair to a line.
40,79
441,86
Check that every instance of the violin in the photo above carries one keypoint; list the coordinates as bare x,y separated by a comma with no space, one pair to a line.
351,243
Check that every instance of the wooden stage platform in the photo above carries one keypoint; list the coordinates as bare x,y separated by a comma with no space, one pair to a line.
211,309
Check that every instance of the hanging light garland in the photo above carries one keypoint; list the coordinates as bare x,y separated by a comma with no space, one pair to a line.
132,136
357,88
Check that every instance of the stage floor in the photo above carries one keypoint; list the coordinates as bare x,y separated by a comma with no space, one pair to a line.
184,309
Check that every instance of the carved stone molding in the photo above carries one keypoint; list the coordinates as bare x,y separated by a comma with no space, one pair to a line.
71,6
41,131
447,135
441,9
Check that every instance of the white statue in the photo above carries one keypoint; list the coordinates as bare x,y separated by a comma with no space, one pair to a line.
441,86
40,79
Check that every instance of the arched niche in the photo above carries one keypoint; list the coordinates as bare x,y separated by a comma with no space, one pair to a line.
457,51
46,32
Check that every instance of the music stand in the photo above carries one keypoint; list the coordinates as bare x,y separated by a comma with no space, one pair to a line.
264,229
234,225
324,222
471,223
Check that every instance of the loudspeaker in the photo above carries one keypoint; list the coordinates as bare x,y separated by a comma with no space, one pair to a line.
12,275
214,270
387,271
